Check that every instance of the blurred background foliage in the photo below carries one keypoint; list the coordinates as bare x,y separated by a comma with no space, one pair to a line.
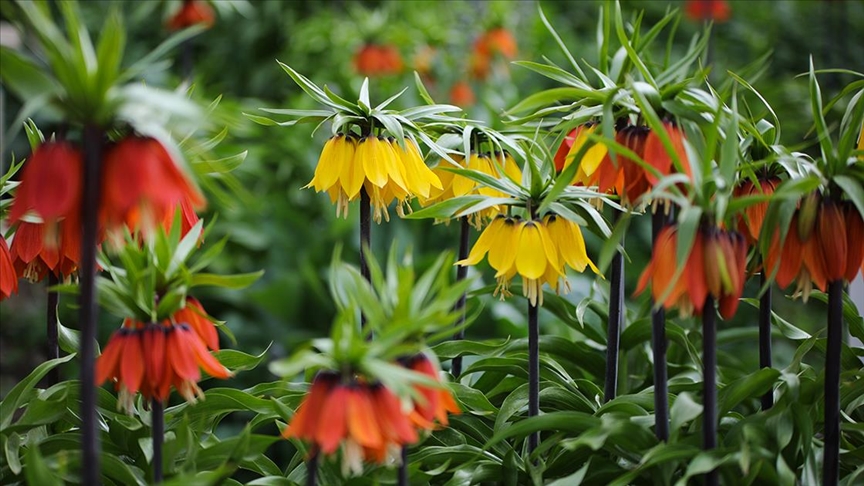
291,233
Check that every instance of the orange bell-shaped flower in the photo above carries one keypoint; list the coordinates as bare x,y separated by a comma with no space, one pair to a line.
8,275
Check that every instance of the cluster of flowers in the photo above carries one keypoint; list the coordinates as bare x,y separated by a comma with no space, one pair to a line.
151,357
141,187
368,420
822,244
626,177
538,250
387,170
495,164
715,266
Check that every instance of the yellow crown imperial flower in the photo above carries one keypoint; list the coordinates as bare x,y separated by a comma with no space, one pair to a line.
536,250
454,185
385,169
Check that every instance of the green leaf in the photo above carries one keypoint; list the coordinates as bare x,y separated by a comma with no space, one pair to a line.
684,409
751,386
239,361
37,472
236,281
19,394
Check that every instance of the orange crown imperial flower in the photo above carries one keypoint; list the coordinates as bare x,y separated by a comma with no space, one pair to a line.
715,266
150,358
823,244
716,10
8,275
193,12
366,420
50,184
142,185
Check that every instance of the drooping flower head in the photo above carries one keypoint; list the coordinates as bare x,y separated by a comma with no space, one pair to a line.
8,275
382,166
50,186
142,185
461,94
495,42
192,12
151,358
529,249
34,255
366,421
715,265
622,174
823,243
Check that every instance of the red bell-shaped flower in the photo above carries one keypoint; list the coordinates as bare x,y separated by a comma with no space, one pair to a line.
142,184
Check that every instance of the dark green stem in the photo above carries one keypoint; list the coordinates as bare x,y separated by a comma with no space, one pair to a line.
765,337
831,467
533,371
88,308
658,346
616,318
157,416
709,383
461,274
51,328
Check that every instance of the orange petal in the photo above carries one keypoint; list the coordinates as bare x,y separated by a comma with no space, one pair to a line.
362,422
332,430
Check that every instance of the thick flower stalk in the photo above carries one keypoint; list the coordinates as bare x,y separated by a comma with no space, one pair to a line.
715,266
151,358
529,249
388,171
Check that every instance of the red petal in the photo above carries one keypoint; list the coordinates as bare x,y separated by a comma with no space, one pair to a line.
50,183
132,362
362,422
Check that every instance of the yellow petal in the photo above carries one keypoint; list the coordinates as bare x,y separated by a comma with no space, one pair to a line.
530,257
393,163
511,168
352,176
463,185
484,242
328,168
374,167
502,255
